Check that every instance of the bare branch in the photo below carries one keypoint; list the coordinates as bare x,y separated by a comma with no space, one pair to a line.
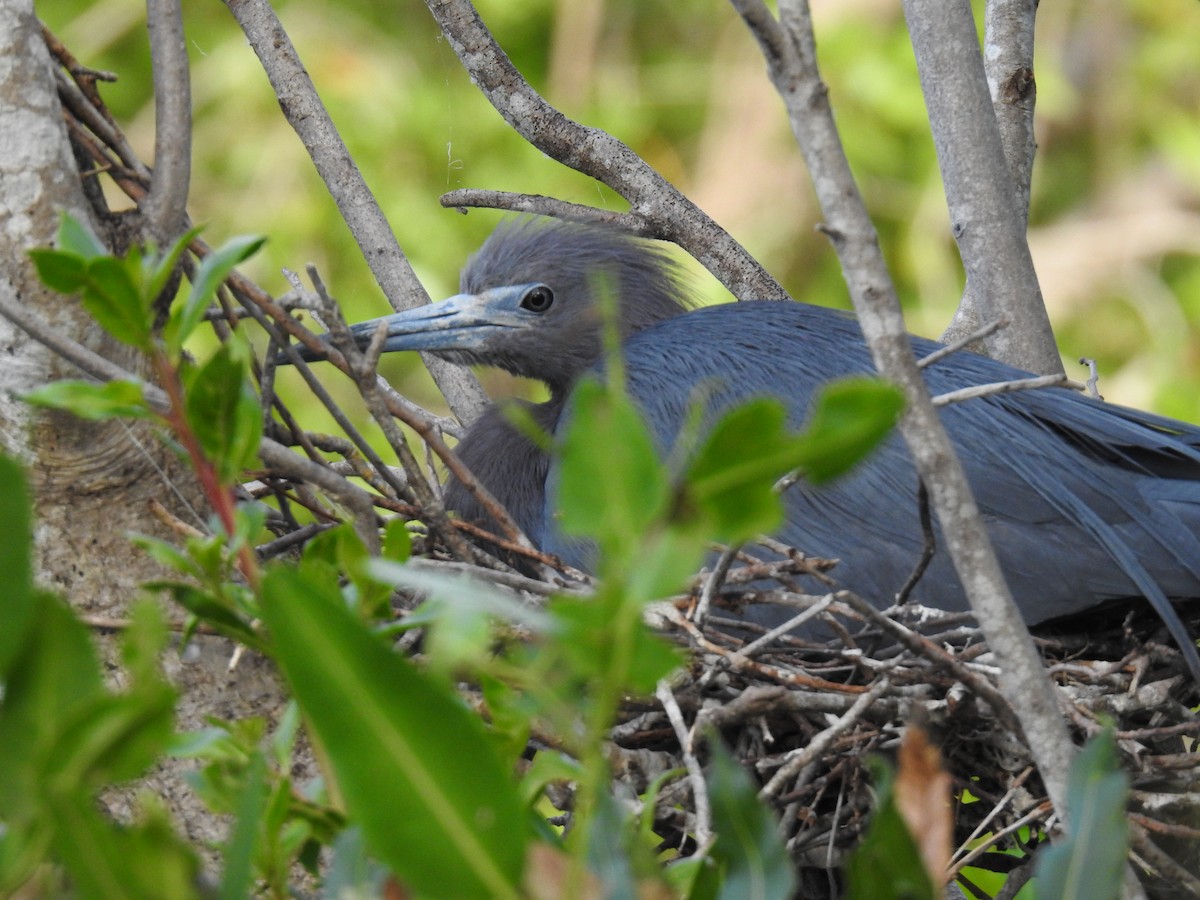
537,205
961,344
1093,380
999,387
274,454
853,235
599,155
798,759
984,214
695,771
307,115
1008,62
165,206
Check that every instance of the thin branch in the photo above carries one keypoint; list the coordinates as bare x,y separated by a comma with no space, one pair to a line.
961,343
798,759
1093,380
274,454
695,772
1000,387
538,205
307,115
600,155
165,206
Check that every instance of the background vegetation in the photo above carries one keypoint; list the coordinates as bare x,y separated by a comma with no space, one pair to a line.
1116,194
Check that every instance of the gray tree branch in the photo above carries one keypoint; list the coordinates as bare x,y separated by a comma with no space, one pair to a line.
599,155
1008,63
307,115
984,214
165,206
790,50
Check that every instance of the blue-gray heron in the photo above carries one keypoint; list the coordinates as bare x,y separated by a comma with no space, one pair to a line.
1086,502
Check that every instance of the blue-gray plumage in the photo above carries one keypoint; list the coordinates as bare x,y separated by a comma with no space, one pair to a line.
1086,502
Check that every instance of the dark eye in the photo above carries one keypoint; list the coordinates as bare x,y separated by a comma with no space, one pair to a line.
538,299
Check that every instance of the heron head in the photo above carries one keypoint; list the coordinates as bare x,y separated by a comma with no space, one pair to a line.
530,300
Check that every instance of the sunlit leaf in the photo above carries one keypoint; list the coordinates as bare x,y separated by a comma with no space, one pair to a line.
114,298
415,766
89,400
850,418
211,272
60,271
75,237
612,484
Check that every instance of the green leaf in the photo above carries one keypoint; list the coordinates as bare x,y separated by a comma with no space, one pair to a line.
397,541
114,298
587,638
212,271
60,271
237,880
113,738
158,269
74,237
851,417
224,411
1089,861
212,609
887,864
89,400
55,673
748,847
729,482
416,768
612,484
17,600
145,860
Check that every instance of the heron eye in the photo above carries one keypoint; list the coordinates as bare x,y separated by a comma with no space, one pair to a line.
538,299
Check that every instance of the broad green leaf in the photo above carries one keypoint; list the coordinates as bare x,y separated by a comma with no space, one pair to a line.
112,738
1090,860
851,417
54,673
75,237
416,768
887,864
114,298
224,411
397,542
585,636
748,848
729,482
211,272
17,600
212,609
612,484
89,400
60,271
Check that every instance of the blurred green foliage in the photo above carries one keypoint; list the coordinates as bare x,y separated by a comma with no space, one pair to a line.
1116,201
